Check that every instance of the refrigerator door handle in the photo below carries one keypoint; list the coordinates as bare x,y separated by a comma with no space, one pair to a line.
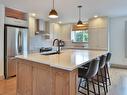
20,42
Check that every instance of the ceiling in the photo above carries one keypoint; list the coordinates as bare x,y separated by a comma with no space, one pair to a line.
67,9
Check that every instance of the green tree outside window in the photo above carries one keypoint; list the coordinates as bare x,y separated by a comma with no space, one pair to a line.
79,36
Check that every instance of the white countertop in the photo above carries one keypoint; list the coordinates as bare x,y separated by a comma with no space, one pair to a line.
67,60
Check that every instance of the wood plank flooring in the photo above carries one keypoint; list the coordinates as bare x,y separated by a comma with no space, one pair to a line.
8,87
118,77
119,82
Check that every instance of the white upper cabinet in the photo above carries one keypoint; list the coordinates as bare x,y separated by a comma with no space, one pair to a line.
99,22
32,26
55,30
98,33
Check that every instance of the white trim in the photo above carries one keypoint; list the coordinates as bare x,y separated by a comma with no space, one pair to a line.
120,66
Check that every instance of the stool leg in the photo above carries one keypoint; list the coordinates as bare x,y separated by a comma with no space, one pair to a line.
98,84
103,81
87,81
79,83
93,87
108,74
106,79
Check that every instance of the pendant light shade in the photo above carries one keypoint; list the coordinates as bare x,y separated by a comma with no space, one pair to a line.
53,13
79,23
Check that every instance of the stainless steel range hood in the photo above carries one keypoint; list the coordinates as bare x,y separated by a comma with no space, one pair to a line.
42,27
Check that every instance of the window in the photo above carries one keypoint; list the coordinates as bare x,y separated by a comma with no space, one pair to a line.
79,36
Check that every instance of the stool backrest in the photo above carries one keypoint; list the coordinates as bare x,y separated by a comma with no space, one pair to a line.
93,68
102,61
108,57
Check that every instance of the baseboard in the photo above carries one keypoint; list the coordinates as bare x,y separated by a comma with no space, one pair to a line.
119,66
1,77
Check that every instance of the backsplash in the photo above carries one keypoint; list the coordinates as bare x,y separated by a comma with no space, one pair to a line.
39,41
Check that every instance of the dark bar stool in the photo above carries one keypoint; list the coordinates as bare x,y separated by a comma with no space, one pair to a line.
88,76
107,67
102,74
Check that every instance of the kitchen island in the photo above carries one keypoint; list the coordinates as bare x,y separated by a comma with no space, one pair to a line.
51,74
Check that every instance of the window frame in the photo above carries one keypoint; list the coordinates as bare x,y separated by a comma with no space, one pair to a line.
81,41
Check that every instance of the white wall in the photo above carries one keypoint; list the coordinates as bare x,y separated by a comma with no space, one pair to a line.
1,40
117,40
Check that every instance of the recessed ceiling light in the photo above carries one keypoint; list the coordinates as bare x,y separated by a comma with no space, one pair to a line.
33,14
95,16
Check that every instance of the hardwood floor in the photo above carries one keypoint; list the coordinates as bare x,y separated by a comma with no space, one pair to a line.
119,82
118,77
8,87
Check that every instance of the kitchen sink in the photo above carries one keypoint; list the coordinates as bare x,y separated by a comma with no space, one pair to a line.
49,53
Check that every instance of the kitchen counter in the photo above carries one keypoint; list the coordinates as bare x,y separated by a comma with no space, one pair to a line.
67,60
51,74
84,48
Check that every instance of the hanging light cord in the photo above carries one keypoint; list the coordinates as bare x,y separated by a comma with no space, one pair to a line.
53,4
79,12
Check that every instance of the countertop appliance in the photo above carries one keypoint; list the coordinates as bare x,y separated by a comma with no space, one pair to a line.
15,43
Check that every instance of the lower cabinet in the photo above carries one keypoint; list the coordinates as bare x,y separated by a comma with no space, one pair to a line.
60,82
64,82
24,79
38,79
41,80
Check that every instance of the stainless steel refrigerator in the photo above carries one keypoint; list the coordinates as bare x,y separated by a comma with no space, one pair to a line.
15,43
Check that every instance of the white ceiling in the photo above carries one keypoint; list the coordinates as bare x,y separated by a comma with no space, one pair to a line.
67,9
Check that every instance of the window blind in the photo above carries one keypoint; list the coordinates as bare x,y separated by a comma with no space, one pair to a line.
84,27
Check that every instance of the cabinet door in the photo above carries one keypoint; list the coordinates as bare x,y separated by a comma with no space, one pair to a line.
24,78
41,80
98,38
98,33
60,82
64,82
65,33
11,67
93,38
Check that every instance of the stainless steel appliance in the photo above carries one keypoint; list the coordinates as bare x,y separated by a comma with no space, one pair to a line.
15,43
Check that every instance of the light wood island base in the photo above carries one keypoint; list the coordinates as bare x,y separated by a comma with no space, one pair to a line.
39,79
56,74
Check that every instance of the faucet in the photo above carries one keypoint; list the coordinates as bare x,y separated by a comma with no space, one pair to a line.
58,44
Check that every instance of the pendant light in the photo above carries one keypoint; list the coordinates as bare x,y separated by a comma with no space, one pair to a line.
79,23
53,13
